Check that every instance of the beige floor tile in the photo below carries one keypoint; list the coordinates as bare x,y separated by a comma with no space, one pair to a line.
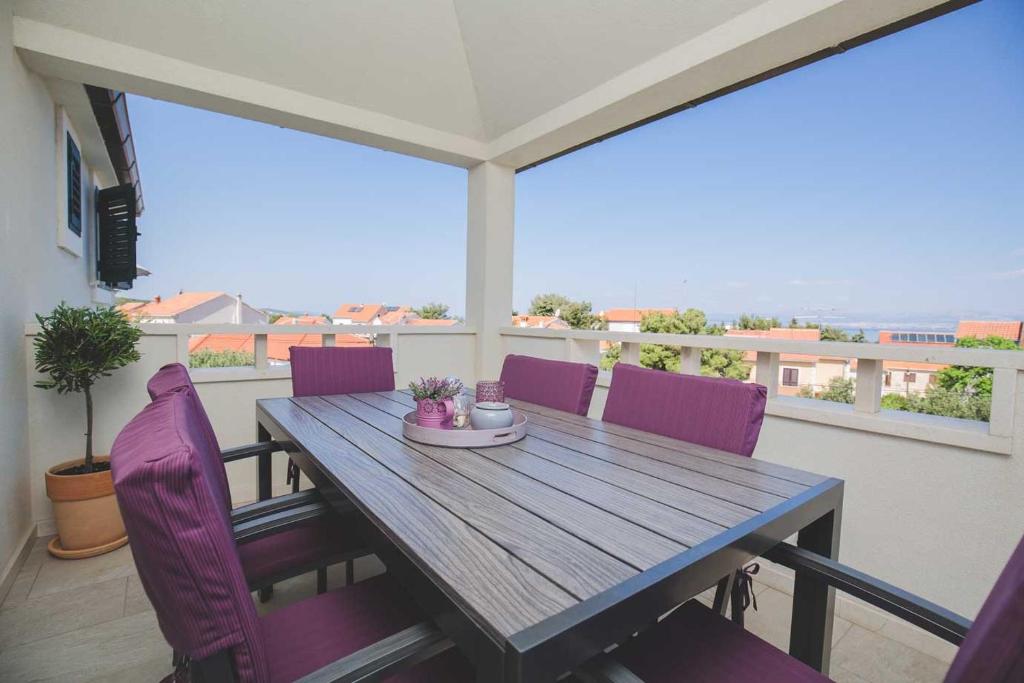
877,659
58,613
56,575
135,600
95,652
149,671
20,587
920,640
773,616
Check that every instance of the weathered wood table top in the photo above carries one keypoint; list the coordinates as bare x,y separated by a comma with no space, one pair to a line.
556,544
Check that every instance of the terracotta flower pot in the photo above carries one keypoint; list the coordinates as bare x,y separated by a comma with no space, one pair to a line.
88,520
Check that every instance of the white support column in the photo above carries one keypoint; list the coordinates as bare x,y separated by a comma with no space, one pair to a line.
768,372
1004,393
328,339
260,351
689,360
868,398
630,353
489,243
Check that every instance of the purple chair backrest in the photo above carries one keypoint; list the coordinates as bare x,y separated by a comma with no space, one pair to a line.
181,537
994,647
553,383
175,376
340,370
720,413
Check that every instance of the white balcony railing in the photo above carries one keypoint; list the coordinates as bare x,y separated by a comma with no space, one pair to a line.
865,414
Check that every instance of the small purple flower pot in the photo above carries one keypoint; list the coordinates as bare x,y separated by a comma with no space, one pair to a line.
435,414
490,391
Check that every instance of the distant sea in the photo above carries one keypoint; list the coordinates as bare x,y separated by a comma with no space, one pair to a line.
871,325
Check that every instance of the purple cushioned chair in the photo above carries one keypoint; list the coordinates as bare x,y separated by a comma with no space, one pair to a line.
697,644
715,412
719,413
553,383
311,545
327,370
338,370
184,550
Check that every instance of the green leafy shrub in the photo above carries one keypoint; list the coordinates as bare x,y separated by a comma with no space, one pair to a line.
207,358
76,346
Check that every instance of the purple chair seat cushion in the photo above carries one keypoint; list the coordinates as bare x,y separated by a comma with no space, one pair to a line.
338,370
698,645
556,384
716,412
311,544
994,647
308,635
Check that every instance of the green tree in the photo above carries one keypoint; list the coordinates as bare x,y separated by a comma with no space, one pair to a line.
756,322
839,390
433,311
579,315
274,317
714,362
547,304
77,346
969,380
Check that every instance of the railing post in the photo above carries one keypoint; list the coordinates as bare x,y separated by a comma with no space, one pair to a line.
181,349
1004,396
689,360
630,353
768,372
389,340
260,351
868,397
583,350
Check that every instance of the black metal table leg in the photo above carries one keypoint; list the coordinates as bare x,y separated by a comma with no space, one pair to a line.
810,638
264,465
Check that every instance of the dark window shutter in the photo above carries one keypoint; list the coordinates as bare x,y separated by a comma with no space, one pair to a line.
74,187
115,208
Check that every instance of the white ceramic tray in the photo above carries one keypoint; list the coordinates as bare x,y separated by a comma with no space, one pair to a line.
467,437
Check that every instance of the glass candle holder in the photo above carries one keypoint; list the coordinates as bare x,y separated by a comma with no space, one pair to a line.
490,391
463,407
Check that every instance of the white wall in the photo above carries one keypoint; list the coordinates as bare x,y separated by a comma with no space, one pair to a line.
35,274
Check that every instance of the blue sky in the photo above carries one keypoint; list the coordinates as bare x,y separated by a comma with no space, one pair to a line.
887,182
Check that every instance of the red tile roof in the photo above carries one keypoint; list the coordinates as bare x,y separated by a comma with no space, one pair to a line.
277,344
632,315
1007,329
359,313
544,321
168,308
396,316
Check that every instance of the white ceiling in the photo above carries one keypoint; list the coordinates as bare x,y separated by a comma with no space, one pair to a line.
470,71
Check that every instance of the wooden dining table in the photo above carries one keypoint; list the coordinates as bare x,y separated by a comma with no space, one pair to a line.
536,556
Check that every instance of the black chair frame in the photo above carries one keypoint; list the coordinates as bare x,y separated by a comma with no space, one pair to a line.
906,606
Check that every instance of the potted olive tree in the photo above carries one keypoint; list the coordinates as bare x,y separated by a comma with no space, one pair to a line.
74,348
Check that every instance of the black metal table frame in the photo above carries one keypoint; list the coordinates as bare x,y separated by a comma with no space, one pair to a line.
564,641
